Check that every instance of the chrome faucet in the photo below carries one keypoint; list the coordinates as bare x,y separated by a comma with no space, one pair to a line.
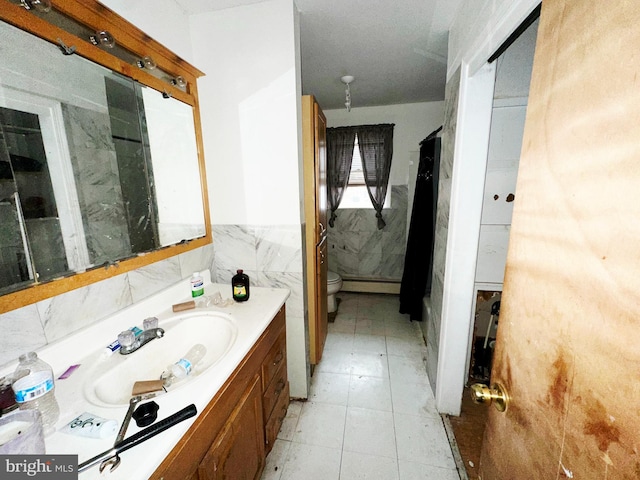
129,343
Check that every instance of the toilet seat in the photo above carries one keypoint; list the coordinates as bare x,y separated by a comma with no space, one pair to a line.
333,277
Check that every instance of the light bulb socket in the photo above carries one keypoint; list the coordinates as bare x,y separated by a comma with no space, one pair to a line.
179,81
38,5
103,38
146,62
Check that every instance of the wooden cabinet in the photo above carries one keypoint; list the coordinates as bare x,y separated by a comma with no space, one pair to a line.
275,387
235,431
314,127
237,453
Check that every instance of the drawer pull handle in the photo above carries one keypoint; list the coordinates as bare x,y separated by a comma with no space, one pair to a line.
280,387
278,358
284,414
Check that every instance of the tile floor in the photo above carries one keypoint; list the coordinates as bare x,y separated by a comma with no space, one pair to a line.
371,413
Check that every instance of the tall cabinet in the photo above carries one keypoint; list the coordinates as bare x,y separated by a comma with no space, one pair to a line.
314,127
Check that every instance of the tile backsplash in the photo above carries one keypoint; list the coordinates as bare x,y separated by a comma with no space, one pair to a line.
270,255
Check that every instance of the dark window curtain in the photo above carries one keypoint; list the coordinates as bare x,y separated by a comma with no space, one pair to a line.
418,261
340,141
376,151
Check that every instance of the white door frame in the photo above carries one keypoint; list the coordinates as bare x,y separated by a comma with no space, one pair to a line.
475,103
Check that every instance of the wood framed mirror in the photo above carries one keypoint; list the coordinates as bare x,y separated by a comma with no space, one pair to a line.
101,159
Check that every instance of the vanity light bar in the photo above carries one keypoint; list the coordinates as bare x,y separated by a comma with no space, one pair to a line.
98,37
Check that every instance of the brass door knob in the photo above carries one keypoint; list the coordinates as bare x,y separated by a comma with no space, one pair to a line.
497,395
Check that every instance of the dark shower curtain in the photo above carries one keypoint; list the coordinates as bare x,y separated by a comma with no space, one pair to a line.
418,261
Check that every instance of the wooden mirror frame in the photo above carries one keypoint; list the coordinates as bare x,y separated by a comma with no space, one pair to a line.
96,16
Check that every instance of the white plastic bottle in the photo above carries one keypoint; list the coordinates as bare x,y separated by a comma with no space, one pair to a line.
34,389
183,367
197,284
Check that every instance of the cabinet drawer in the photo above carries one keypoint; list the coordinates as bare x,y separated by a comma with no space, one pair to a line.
273,391
274,422
277,356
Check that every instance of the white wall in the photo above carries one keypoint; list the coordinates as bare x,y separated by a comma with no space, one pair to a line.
250,110
248,104
162,20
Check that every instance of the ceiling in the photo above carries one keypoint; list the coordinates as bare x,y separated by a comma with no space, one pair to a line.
396,50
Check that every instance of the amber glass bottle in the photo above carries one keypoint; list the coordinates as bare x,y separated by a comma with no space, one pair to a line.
240,286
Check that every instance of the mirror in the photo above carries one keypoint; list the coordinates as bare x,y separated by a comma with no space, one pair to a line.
95,167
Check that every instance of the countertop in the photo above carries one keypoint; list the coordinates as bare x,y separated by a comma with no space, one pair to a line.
251,318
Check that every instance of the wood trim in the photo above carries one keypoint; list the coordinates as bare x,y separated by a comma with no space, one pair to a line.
41,291
92,14
309,185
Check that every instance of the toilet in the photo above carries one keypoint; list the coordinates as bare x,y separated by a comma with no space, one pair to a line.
334,284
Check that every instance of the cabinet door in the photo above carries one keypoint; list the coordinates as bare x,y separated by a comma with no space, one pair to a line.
237,453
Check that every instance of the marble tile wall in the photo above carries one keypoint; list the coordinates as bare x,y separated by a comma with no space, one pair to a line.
431,328
272,257
34,326
359,251
97,183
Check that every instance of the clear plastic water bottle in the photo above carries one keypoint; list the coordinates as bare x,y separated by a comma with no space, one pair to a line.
183,367
34,389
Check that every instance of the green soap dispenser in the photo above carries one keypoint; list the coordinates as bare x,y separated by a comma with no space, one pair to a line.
240,287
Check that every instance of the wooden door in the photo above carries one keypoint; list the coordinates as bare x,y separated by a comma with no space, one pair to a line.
321,172
567,349
315,193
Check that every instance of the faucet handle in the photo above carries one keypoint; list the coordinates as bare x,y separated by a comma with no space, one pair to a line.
126,338
149,323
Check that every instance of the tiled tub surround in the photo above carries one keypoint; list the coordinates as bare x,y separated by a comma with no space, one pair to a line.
34,326
359,251
251,319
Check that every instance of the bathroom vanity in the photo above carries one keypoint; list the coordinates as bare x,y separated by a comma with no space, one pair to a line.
238,427
240,388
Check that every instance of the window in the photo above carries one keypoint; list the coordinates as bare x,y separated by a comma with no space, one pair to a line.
355,195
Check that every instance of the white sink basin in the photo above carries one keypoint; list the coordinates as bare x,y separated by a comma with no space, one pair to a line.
111,379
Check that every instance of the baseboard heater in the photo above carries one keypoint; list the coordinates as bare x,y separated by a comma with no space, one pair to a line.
370,286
